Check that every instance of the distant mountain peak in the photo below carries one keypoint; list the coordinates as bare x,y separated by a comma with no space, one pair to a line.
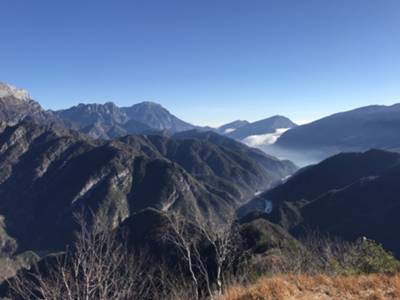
147,106
261,127
156,116
16,105
106,104
150,103
8,90
373,126
274,117
232,126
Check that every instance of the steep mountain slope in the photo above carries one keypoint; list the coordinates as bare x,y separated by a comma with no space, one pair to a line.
3,126
87,114
349,195
283,168
232,126
269,125
47,175
236,169
156,117
368,127
16,105
104,121
104,131
369,207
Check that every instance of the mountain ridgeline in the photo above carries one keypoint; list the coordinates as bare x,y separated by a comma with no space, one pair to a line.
16,105
348,195
374,126
104,121
108,121
269,125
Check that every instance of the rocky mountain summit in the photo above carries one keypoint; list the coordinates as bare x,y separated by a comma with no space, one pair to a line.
156,117
104,121
109,121
16,105
7,90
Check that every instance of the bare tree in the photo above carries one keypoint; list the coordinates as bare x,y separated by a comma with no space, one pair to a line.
180,234
222,238
98,267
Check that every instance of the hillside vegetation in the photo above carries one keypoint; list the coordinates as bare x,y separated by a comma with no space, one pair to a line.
322,287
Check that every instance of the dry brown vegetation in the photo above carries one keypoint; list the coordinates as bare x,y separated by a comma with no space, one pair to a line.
101,266
303,287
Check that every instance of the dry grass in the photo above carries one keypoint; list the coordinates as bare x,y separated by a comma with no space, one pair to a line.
302,287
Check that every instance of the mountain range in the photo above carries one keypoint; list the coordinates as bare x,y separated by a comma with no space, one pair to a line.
126,160
348,195
108,121
48,173
265,126
232,126
257,134
105,121
136,165
374,126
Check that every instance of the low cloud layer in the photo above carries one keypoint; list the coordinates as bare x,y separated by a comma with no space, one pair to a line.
264,139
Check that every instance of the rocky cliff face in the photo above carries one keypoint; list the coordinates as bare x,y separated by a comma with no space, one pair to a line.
3,125
109,121
16,105
8,90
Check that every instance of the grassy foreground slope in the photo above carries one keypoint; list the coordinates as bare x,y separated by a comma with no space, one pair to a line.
303,287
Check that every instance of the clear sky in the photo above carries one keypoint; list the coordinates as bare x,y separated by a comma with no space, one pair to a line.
207,61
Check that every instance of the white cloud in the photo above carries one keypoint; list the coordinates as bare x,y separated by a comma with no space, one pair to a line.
264,139
228,130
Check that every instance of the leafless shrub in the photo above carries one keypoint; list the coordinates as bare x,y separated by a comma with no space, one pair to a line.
313,255
98,267
318,254
222,240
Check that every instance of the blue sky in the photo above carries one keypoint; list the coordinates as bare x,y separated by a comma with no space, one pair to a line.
207,61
